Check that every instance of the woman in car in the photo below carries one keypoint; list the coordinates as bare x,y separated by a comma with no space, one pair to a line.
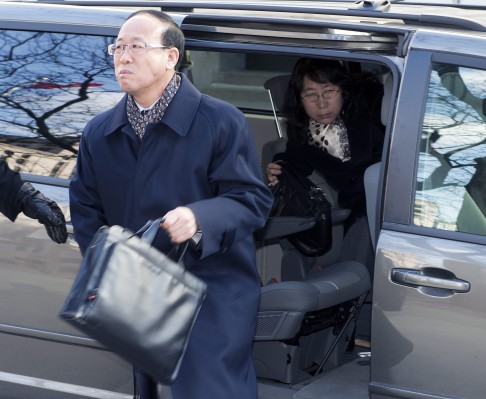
331,128
18,196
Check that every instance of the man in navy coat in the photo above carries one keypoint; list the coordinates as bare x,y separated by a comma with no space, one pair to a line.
167,150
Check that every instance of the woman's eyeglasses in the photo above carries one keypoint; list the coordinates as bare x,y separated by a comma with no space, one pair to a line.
326,95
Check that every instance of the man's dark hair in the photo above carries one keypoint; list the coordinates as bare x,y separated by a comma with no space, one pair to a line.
172,36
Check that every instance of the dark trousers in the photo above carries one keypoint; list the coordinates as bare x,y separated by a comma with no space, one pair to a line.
146,388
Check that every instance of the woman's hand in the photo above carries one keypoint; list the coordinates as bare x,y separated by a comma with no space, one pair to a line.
273,170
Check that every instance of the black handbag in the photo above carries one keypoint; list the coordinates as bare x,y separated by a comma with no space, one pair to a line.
135,300
296,195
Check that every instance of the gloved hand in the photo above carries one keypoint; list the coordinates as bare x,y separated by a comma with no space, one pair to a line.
36,206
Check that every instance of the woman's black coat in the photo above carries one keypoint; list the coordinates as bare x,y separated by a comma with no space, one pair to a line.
365,143
10,183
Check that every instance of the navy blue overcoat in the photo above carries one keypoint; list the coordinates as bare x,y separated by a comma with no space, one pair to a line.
201,155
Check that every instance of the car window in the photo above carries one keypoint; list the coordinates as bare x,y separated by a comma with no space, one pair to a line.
238,77
51,85
451,175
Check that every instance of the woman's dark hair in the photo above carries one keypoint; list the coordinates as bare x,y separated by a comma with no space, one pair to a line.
172,36
319,71
353,91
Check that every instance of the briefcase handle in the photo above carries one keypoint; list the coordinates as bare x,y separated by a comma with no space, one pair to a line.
148,232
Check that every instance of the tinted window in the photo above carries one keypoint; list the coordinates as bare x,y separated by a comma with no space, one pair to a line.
238,78
451,178
51,85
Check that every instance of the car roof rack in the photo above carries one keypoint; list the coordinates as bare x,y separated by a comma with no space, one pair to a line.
425,3
429,14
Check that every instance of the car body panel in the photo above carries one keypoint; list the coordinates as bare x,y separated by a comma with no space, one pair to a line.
42,94
426,337
424,331
35,280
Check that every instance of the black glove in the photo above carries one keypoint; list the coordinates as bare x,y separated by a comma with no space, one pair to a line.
36,206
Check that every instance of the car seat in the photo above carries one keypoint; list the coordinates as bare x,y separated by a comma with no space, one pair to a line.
306,320
305,326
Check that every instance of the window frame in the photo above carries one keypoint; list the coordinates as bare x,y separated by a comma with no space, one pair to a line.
405,148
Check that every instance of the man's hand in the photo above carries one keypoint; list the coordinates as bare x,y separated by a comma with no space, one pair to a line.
180,224
36,206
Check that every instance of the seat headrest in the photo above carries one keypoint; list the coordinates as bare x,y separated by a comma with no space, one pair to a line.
277,86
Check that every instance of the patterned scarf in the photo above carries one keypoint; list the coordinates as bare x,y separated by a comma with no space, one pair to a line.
332,138
139,119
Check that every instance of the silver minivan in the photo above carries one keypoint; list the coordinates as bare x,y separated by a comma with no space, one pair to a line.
410,327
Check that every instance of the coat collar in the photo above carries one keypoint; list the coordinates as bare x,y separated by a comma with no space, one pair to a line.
178,116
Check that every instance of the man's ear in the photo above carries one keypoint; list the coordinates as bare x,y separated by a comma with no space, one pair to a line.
172,58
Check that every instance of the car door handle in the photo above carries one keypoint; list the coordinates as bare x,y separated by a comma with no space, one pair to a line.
426,278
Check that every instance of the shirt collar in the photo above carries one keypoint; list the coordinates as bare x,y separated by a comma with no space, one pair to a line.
178,117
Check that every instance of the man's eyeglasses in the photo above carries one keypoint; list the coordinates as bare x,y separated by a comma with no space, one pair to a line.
134,48
326,95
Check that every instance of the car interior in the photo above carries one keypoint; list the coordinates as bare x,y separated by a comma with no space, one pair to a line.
313,308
